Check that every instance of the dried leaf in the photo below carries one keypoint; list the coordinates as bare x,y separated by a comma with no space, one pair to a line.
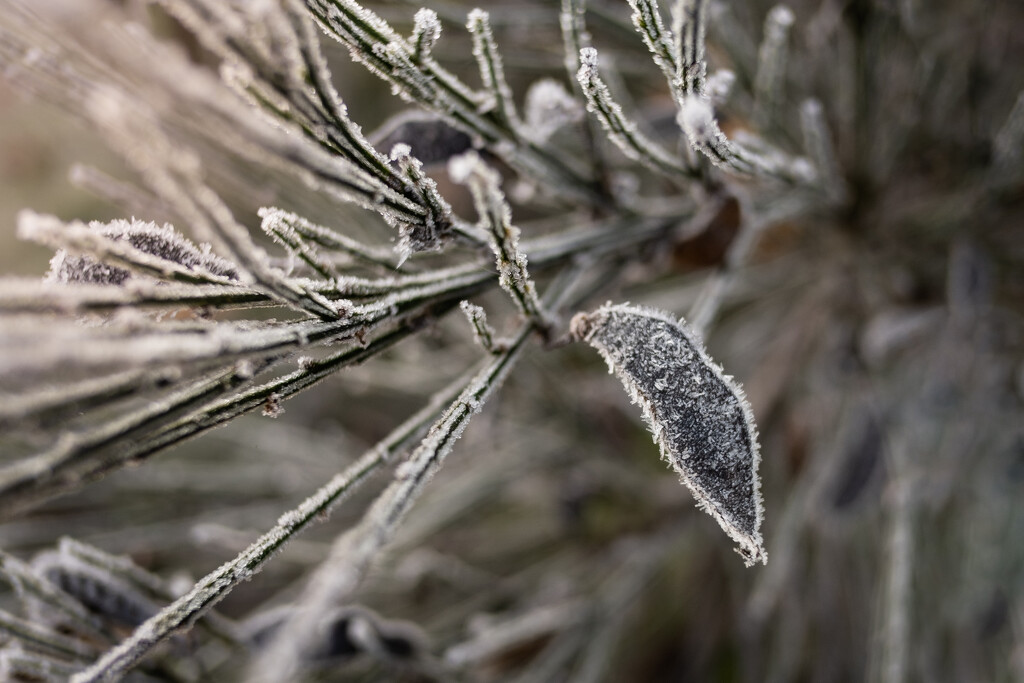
699,416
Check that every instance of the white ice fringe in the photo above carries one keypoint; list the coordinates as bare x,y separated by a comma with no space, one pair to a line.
426,31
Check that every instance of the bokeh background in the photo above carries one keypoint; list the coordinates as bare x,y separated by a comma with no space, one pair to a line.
881,346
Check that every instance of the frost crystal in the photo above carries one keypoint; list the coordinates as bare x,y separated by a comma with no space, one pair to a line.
425,33
699,417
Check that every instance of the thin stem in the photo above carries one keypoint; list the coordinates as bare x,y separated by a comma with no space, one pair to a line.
216,585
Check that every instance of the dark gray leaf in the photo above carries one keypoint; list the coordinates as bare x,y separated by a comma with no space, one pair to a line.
698,415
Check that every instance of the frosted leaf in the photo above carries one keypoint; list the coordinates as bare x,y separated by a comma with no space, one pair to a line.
548,108
156,249
699,416
432,140
101,592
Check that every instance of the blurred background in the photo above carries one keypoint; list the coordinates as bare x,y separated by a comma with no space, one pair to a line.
881,345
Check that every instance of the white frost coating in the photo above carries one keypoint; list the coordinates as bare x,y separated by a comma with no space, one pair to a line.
588,61
426,31
698,416
496,218
425,237
400,150
647,20
278,223
488,60
482,331
688,28
697,118
720,84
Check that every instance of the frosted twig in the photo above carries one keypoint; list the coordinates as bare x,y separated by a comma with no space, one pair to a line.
280,220
575,37
482,330
110,347
426,31
39,636
60,466
492,73
282,232
574,34
381,49
163,430
216,585
351,555
647,20
425,237
1008,143
274,76
818,144
496,218
621,130
171,177
150,585
771,64
46,405
689,18
697,119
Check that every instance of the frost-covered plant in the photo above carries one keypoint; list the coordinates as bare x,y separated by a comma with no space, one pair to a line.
797,191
